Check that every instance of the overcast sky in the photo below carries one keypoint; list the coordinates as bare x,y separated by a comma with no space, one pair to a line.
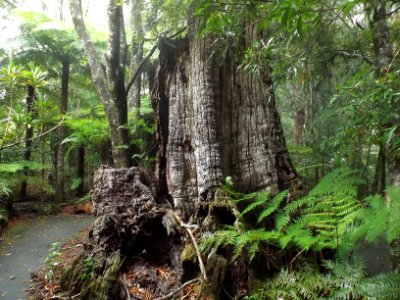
95,13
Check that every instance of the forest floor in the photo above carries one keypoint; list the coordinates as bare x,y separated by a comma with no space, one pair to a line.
25,246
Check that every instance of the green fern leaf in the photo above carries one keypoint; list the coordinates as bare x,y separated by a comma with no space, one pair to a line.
273,206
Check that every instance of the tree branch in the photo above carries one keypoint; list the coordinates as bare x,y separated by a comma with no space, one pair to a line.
148,56
196,246
179,289
139,68
35,137
346,54
98,74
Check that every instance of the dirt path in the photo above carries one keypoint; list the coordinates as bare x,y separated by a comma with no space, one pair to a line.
26,245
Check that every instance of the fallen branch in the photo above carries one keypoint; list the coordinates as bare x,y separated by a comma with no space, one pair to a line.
128,295
179,289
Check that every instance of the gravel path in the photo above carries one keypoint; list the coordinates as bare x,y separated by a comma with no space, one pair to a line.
26,245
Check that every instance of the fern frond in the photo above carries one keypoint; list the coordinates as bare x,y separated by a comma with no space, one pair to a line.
379,219
5,189
281,221
259,200
382,286
273,206
327,211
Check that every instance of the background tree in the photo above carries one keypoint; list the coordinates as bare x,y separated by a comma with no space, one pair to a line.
110,88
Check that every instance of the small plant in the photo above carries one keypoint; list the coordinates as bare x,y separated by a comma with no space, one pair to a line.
52,261
341,281
87,270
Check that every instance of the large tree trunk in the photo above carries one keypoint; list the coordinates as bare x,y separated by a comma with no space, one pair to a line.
216,120
110,88
213,120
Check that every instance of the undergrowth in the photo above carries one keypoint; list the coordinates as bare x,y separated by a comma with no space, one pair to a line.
329,217
340,281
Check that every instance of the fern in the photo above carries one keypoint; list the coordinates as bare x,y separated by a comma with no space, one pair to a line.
5,189
378,219
273,206
248,241
258,199
342,281
325,214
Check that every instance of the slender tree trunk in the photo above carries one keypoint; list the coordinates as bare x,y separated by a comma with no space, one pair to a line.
298,126
389,156
28,136
110,88
383,58
381,37
379,184
60,171
81,171
137,53
151,73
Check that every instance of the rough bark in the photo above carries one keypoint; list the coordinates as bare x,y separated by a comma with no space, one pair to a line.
216,120
110,88
298,126
128,235
28,135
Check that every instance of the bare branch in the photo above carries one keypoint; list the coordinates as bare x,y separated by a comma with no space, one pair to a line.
148,56
139,68
170,295
346,54
35,137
